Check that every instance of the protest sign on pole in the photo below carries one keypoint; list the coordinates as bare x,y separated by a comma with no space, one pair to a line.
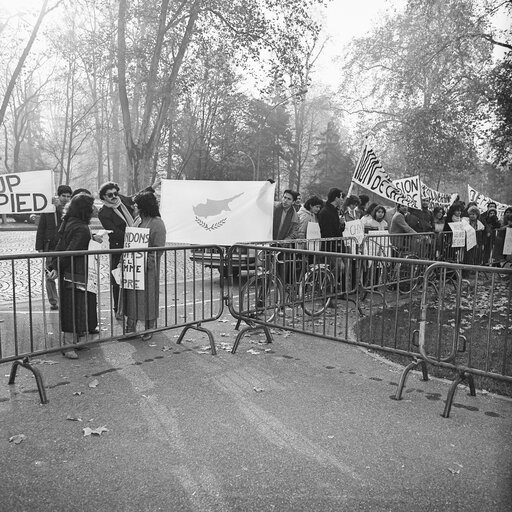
26,192
410,187
370,175
217,212
133,264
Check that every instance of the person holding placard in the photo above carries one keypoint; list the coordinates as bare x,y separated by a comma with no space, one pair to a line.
115,215
473,255
143,304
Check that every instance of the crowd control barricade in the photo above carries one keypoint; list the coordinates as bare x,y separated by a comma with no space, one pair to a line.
466,324
188,293
380,313
403,245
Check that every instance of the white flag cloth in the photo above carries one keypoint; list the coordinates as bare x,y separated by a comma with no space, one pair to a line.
217,212
26,192
370,175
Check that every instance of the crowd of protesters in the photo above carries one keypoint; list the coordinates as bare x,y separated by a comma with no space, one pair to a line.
431,224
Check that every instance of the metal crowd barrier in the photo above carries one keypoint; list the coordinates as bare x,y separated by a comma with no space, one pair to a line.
188,292
466,323
369,301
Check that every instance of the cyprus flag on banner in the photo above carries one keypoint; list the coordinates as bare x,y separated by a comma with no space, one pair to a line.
217,212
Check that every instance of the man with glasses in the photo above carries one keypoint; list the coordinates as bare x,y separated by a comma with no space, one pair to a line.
115,215
48,235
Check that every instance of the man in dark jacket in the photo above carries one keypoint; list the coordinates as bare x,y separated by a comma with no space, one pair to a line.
47,237
331,226
286,220
329,221
115,215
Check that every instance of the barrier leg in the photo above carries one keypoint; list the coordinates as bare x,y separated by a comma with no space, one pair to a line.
411,366
253,329
37,374
461,377
202,329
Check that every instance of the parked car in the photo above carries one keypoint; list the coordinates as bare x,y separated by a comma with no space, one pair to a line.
212,259
30,218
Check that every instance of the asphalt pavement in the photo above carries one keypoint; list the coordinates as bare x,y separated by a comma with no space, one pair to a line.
302,424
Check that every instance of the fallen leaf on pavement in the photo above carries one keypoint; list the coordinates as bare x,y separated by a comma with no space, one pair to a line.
17,439
94,431
93,383
258,390
78,393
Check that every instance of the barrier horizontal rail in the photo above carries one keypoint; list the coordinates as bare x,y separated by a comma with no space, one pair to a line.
188,294
368,301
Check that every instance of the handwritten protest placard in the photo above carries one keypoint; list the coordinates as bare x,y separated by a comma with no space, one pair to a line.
133,264
459,234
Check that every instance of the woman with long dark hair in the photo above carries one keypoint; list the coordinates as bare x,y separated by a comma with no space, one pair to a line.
78,313
142,305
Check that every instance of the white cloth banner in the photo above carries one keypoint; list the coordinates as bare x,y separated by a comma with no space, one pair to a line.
436,198
134,268
459,234
26,192
378,244
410,187
370,175
507,245
217,212
482,201
313,232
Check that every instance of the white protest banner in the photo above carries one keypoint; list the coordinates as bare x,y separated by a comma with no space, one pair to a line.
482,201
217,212
133,264
26,192
354,229
410,187
507,245
313,232
94,260
459,234
470,236
370,175
436,198
378,244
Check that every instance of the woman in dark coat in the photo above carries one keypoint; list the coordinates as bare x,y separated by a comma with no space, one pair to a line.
78,307
143,305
